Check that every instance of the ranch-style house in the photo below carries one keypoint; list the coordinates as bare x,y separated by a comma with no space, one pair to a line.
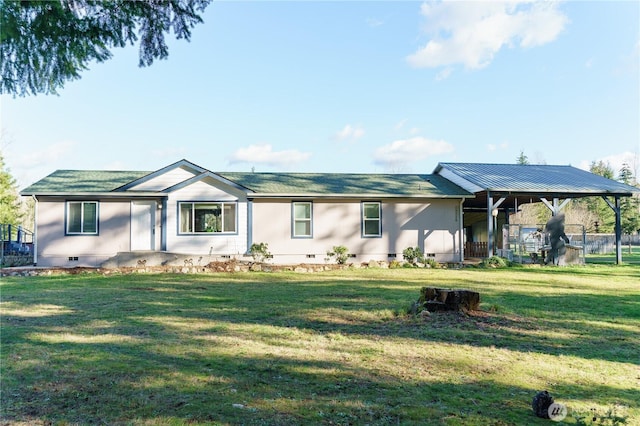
86,217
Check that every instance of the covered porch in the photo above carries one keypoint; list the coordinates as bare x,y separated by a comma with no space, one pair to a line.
500,189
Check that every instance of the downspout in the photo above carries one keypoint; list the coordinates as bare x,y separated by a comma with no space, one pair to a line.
163,225
249,224
35,230
461,231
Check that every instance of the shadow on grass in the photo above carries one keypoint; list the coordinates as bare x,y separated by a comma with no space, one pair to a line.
191,349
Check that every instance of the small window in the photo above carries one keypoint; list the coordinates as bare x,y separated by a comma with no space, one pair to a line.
371,220
197,218
302,220
82,218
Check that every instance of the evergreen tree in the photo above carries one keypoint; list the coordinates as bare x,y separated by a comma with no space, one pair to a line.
601,168
46,43
10,207
522,159
629,214
605,217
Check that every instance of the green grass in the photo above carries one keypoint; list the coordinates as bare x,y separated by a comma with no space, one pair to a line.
324,348
631,257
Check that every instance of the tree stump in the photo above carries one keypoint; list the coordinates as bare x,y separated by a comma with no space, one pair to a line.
440,299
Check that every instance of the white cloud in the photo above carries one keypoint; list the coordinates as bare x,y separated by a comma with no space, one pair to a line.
349,132
401,152
616,162
264,154
444,74
471,33
374,22
401,123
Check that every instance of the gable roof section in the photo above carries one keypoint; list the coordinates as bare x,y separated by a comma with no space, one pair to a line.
203,176
346,184
184,164
82,181
540,179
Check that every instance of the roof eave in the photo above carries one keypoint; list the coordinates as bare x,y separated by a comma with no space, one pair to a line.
558,192
141,194
352,196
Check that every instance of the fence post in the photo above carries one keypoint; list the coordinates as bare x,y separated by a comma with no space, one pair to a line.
1,245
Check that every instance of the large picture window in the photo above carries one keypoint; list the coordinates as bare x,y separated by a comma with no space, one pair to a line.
196,218
371,220
302,219
82,218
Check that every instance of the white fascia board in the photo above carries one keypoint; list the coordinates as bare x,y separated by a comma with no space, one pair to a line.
195,169
129,194
461,182
214,176
352,196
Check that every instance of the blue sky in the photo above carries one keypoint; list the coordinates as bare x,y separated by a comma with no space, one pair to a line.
351,87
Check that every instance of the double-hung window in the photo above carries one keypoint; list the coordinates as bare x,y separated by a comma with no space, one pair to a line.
302,219
205,217
371,219
82,218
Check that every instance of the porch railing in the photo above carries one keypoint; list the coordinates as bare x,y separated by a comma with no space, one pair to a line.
475,249
16,245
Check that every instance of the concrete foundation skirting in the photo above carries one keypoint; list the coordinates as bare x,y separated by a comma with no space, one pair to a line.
134,259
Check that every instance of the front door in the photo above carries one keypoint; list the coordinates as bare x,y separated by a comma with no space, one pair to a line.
143,221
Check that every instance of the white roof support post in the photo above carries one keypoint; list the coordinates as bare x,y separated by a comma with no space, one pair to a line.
491,206
461,230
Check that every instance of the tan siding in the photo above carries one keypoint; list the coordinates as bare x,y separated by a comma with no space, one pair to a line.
55,248
432,226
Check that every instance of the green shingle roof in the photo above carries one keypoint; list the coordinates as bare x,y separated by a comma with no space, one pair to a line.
347,184
281,184
82,181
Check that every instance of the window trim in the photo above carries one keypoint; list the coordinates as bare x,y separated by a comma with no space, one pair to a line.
211,233
364,219
294,220
82,204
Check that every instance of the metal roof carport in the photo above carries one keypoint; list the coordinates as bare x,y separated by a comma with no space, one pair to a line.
498,185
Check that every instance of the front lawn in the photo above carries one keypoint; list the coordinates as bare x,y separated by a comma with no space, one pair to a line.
324,348
630,256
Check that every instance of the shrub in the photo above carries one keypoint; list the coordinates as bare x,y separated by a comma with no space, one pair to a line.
259,252
413,255
495,262
340,253
432,263
394,264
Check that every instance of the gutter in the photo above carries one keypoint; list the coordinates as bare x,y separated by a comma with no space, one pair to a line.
355,196
124,195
